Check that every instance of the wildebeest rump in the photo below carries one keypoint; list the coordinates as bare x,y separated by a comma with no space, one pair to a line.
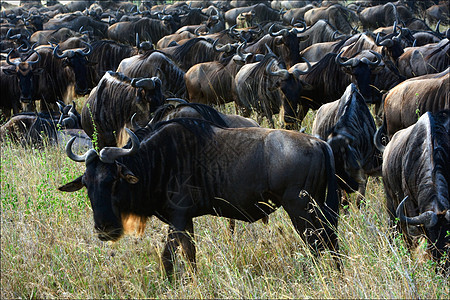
406,102
188,168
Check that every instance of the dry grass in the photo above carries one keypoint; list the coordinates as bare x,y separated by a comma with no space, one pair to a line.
49,248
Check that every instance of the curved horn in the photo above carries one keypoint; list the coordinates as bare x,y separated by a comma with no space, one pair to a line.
38,57
88,47
239,49
8,34
372,63
15,63
269,51
27,45
282,72
137,40
75,157
337,35
134,123
110,154
296,30
224,48
60,106
350,62
146,83
55,52
428,218
437,28
377,140
395,11
300,72
387,42
278,33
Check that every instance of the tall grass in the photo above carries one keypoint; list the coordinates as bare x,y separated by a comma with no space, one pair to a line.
49,248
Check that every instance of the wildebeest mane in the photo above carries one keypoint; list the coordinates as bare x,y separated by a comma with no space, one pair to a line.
52,84
113,51
440,132
323,79
163,66
207,112
182,50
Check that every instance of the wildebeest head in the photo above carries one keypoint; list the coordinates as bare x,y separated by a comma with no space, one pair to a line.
291,85
106,181
290,40
436,227
77,60
361,70
343,141
25,72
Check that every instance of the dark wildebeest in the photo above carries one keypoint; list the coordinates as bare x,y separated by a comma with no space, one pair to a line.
188,168
284,43
25,72
201,111
75,22
383,15
148,29
39,129
114,101
406,102
196,50
43,37
262,12
348,127
58,72
328,79
336,14
155,63
416,178
108,55
257,88
211,82
431,58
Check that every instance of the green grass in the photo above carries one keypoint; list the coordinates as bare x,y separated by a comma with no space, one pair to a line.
49,248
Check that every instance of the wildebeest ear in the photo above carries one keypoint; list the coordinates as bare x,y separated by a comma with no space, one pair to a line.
73,186
126,174
9,71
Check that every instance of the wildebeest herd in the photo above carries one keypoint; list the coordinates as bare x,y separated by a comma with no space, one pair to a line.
154,73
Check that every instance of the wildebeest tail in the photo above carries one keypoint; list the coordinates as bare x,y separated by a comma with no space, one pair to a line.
332,201
330,209
377,139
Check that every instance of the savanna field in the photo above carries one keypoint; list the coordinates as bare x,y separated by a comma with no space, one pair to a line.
49,248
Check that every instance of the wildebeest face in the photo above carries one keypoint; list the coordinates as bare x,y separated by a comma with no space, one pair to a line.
439,236
107,184
25,75
346,159
79,64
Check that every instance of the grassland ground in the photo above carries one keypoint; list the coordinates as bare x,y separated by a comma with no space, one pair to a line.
49,248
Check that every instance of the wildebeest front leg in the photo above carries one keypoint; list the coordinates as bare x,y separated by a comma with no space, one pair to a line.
174,239
361,192
309,220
